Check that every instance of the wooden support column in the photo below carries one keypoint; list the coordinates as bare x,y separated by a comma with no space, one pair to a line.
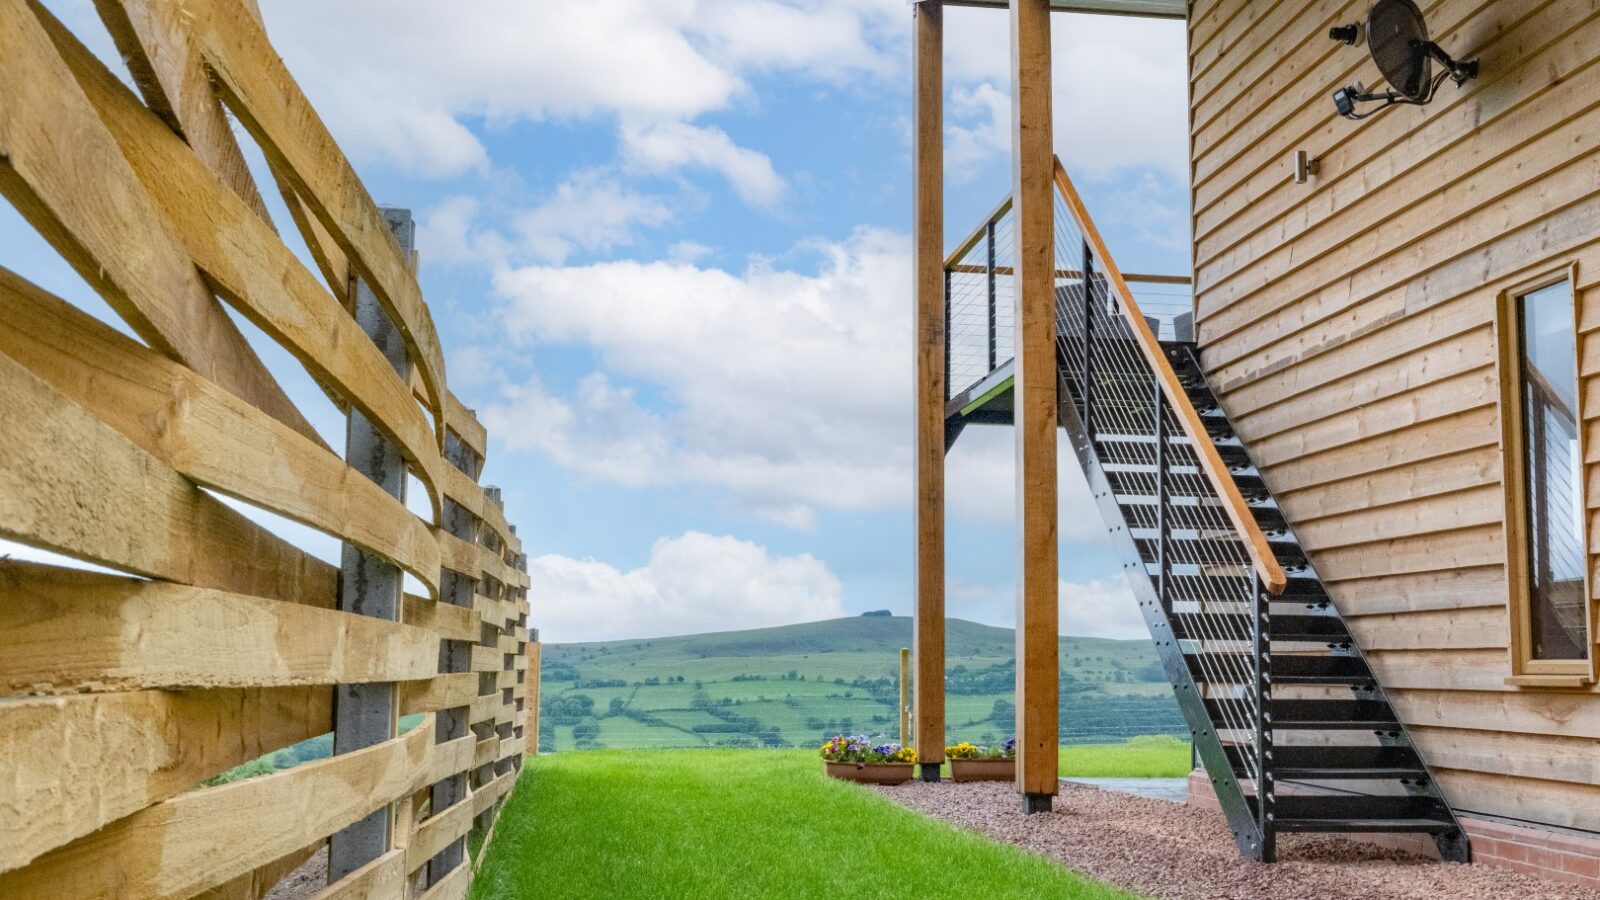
1036,414
928,213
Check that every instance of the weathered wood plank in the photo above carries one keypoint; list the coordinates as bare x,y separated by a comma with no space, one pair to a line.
74,631
438,692
76,188
59,753
205,433
155,44
1422,591
455,623
1484,628
259,90
1403,484
1572,759
382,879
181,846
72,484
246,263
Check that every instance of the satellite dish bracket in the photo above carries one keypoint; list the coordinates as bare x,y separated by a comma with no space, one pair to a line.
1346,99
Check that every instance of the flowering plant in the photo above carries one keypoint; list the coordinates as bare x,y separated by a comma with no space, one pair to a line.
860,749
969,750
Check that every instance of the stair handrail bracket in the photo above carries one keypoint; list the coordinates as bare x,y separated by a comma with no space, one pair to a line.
1262,558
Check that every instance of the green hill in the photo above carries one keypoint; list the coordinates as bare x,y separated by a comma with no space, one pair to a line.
798,684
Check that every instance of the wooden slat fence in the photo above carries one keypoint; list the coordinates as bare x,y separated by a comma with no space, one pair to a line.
209,641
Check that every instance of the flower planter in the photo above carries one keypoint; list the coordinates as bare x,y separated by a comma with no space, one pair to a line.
983,769
871,773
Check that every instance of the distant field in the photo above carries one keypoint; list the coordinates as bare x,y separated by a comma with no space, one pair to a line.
799,684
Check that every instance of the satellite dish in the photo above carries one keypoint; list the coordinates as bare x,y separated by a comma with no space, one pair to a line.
1397,37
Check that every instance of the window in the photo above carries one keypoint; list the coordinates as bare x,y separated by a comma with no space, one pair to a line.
1546,522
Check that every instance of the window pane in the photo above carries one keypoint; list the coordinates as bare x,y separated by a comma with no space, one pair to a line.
1553,474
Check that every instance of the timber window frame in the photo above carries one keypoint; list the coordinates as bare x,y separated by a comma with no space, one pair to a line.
1526,669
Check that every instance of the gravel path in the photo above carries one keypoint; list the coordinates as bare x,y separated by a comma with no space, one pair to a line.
1179,852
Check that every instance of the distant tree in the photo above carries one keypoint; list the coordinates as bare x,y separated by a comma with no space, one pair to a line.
586,733
616,706
1003,713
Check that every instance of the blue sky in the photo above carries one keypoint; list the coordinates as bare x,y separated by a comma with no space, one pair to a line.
666,244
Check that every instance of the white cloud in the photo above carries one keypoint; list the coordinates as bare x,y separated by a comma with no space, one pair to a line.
1102,608
399,92
692,583
590,211
791,391
988,135
666,146
1120,98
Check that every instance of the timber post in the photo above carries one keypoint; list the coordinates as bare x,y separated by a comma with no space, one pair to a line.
1036,416
928,215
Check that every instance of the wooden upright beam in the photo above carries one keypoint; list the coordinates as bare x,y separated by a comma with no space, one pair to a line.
928,156
1033,199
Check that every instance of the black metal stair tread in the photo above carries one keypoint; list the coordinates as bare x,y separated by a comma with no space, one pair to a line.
1366,826
1134,450
1289,807
1291,668
1284,773
1142,515
1185,586
1291,628
1226,550
1287,760
1143,484
1318,715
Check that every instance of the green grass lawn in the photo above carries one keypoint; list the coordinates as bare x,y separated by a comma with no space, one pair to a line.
737,823
1157,756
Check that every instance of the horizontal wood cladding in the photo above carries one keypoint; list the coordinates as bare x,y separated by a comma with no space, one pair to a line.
1347,325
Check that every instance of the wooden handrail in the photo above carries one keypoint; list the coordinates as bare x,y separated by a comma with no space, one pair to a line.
1266,564
1129,277
977,233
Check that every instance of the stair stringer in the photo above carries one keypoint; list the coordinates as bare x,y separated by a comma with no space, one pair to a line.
1453,846
1247,833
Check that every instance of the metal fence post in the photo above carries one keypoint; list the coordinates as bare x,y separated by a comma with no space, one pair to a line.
456,589
364,714
994,318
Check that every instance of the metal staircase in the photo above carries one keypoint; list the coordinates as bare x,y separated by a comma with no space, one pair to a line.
1288,719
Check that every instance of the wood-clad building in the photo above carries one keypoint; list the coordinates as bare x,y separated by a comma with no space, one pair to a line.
1360,330
1387,384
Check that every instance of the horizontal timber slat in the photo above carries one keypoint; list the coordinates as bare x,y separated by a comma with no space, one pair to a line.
173,849
205,433
68,631
159,743
174,458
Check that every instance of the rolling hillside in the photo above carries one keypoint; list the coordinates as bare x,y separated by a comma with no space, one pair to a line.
798,684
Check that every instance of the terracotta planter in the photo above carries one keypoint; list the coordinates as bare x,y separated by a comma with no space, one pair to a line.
983,769
871,773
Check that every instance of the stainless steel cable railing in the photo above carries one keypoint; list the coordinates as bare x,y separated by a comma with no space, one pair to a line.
1213,566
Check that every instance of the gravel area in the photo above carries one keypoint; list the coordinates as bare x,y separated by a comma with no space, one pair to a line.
1180,852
